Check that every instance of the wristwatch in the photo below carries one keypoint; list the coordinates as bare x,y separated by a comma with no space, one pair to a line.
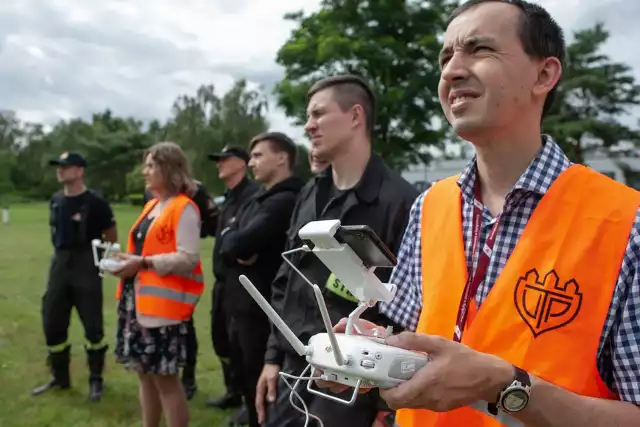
515,396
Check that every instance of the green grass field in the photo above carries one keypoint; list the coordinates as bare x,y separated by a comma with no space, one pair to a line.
25,250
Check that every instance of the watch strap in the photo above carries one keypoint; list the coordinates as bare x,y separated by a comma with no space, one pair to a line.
520,376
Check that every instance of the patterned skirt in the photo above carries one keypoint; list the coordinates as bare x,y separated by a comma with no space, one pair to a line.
148,350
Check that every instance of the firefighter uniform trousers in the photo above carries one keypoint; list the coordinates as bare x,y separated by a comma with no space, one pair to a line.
73,282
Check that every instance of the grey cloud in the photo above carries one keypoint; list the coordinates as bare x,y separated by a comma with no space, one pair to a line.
232,6
98,65
619,16
265,75
112,63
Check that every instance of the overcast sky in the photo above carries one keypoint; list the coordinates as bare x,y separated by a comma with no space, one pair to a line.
65,58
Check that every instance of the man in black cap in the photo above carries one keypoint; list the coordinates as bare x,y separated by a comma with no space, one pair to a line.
77,216
208,222
232,170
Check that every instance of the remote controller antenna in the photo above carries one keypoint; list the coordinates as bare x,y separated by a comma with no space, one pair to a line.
337,353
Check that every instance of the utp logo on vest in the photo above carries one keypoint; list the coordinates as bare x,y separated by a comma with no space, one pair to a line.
546,305
164,234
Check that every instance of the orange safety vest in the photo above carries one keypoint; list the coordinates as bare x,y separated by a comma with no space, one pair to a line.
172,296
547,309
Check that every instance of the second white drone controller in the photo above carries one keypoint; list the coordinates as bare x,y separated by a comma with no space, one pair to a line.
368,360
110,264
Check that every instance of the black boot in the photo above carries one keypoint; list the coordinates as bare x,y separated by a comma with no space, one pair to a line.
232,398
58,363
95,360
189,381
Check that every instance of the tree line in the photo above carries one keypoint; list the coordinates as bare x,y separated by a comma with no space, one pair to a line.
393,44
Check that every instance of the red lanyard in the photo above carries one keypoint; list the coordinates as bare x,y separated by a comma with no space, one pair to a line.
475,277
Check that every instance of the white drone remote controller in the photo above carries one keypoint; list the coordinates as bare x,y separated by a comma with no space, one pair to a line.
352,253
106,263
351,359
357,361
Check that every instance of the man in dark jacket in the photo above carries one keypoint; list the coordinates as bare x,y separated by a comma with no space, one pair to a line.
359,189
253,246
232,170
209,213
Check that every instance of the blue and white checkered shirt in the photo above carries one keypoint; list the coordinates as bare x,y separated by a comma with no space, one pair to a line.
619,350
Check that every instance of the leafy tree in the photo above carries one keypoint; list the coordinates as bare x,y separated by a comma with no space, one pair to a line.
394,45
593,94
205,123
7,160
11,131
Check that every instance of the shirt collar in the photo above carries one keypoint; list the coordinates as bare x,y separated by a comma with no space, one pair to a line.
235,191
368,188
537,178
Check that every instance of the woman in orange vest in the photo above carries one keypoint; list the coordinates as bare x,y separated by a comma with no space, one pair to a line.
160,287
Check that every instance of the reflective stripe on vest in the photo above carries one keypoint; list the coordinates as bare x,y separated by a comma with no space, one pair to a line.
166,293
547,309
172,296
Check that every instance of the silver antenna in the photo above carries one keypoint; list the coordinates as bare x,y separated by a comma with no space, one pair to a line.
337,354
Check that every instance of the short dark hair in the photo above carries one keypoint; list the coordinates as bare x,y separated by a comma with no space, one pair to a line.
279,142
349,90
539,33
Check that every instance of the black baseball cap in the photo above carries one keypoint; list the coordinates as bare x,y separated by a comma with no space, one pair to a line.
228,152
69,158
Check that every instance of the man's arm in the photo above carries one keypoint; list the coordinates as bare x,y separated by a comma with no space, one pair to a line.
458,375
404,309
472,376
274,355
110,234
106,221
269,223
554,406
209,211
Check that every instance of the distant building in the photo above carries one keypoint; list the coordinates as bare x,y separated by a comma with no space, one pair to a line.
422,176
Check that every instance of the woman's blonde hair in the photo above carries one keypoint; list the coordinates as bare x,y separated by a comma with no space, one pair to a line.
174,166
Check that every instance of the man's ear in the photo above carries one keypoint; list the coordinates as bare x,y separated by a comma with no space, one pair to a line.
357,115
549,73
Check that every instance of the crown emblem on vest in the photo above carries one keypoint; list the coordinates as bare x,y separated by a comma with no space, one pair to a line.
164,234
548,304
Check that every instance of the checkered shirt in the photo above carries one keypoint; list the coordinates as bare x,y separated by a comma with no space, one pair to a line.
619,349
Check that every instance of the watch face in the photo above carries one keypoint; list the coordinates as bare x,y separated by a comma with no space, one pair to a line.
515,400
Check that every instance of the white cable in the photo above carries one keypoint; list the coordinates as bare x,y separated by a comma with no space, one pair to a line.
293,388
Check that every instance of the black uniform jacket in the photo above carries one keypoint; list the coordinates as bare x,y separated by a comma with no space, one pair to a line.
259,235
234,199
